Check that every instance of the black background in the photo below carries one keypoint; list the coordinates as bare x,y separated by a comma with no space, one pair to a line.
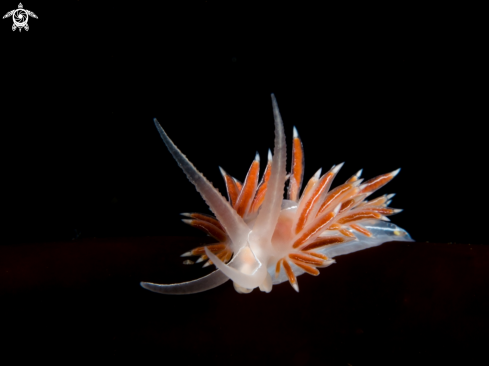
377,88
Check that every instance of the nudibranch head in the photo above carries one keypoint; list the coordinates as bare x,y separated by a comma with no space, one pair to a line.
263,239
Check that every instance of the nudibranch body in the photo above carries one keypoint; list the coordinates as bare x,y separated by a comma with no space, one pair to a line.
264,239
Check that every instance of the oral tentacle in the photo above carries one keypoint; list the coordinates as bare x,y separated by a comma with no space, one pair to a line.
202,284
234,225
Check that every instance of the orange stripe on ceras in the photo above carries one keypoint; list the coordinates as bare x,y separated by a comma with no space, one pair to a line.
319,255
309,205
347,204
334,194
289,272
210,229
375,202
238,184
341,229
248,190
297,169
309,269
207,218
305,196
352,179
277,268
376,183
381,210
321,242
224,254
359,216
347,233
262,190
232,189
306,259
309,186
259,198
227,257
361,230
214,248
320,223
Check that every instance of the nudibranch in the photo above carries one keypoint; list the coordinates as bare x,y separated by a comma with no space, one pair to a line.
263,239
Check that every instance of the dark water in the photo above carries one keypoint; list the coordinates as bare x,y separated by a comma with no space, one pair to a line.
400,303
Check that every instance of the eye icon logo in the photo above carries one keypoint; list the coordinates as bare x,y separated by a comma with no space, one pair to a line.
20,17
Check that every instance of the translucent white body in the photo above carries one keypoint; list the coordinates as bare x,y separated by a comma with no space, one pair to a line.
281,240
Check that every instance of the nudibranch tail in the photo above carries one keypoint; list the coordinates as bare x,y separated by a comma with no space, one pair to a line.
264,239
